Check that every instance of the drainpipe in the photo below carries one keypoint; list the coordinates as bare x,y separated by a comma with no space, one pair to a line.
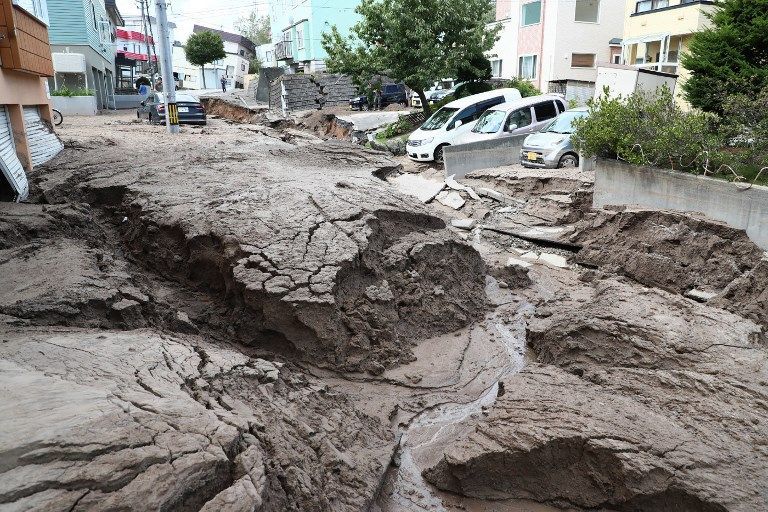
541,48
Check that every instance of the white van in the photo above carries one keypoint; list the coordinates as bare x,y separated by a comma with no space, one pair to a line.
521,117
452,121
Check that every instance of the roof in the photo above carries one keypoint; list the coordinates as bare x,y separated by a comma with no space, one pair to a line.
227,36
616,41
470,100
114,12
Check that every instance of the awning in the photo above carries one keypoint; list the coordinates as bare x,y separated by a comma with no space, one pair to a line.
645,39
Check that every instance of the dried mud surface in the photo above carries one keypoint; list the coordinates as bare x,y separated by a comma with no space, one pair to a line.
249,319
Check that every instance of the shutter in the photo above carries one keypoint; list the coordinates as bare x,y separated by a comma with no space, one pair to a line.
43,143
10,165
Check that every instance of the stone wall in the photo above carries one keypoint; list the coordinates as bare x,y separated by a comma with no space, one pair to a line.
306,92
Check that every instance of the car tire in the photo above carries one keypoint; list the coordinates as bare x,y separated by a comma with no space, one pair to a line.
438,156
568,160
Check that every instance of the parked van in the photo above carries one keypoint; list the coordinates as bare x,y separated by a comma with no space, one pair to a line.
521,117
452,121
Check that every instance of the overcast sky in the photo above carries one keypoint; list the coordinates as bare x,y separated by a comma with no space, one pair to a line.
185,13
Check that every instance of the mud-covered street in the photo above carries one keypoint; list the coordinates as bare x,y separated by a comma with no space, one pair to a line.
249,317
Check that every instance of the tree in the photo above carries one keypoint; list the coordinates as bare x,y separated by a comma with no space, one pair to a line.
203,48
412,41
729,57
254,27
254,65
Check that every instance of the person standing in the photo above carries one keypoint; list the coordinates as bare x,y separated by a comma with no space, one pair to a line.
224,83
377,99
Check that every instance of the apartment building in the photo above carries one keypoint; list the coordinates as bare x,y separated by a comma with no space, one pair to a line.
298,26
26,136
657,33
239,52
82,35
556,44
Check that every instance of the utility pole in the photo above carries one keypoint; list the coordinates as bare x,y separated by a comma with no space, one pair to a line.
144,15
166,66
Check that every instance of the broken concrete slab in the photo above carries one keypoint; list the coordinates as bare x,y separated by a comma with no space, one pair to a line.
554,260
467,224
451,199
421,188
518,263
493,194
700,295
454,185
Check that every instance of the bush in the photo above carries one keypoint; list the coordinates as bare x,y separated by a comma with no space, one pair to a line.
67,92
648,129
399,127
745,130
525,87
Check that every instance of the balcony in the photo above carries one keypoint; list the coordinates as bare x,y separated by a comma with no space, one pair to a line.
24,43
670,17
650,6
283,50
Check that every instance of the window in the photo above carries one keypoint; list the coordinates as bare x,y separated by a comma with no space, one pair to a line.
242,67
617,59
287,36
587,11
531,14
465,116
242,53
496,67
93,12
560,105
37,8
582,60
519,119
650,5
268,57
527,67
545,111
300,38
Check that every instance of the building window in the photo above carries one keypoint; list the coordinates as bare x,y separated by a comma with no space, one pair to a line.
242,53
37,8
531,14
268,57
242,67
496,68
93,12
617,59
582,60
587,11
528,67
651,5
287,36
299,39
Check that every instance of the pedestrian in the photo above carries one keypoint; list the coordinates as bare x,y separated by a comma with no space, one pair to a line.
377,99
224,83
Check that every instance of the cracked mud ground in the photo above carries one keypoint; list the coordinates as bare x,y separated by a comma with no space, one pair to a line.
237,320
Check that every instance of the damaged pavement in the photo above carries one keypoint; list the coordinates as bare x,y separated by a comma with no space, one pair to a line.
246,319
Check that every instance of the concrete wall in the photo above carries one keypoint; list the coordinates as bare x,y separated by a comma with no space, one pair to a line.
617,183
75,105
485,154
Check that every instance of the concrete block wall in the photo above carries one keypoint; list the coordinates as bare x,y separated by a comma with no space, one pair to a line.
618,183
485,154
307,92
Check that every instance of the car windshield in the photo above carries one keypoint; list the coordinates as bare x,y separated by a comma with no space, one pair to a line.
564,122
439,118
490,121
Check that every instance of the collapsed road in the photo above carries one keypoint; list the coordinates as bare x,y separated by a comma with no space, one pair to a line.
250,318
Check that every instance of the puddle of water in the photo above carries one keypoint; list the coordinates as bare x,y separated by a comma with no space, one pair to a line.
406,489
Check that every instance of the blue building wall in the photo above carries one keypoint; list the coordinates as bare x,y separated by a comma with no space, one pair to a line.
308,19
76,23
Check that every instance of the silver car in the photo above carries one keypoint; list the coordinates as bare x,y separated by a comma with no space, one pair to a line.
552,147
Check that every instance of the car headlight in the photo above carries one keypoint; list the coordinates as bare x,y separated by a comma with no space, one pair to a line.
427,141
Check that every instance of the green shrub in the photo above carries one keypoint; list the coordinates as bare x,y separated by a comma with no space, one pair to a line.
399,127
648,129
67,92
525,87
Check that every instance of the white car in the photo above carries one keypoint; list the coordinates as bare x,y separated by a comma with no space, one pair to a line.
451,122
522,117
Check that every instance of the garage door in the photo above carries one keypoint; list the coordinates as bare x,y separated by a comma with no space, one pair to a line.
42,141
10,165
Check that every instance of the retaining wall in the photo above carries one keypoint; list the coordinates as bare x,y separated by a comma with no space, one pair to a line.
485,154
618,183
308,92
75,105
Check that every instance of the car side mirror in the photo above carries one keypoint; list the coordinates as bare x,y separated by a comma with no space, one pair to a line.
458,123
143,103
511,127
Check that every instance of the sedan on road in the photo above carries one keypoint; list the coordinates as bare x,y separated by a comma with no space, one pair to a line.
552,147
191,111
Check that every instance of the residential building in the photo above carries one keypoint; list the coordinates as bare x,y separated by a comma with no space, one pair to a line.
82,35
266,54
556,44
239,52
297,28
136,52
26,136
658,32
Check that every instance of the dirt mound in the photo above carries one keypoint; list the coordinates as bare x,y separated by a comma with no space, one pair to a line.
98,420
326,124
348,271
231,111
669,250
638,408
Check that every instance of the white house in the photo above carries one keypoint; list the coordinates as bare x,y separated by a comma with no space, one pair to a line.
239,49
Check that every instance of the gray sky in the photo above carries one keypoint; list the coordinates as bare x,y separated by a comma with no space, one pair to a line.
185,13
